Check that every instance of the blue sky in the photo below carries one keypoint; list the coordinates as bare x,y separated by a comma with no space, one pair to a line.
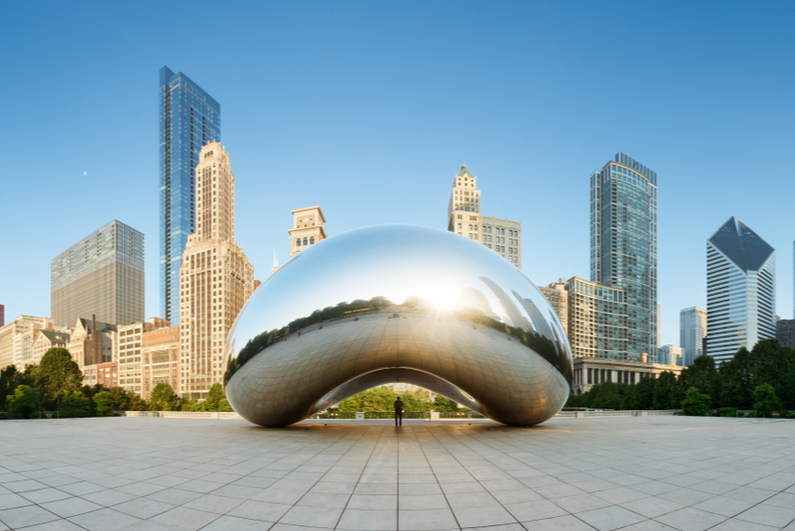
369,108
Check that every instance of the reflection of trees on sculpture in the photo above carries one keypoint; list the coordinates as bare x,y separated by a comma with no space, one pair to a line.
544,346
266,339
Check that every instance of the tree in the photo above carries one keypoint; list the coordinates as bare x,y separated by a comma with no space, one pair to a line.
224,406
766,401
75,404
441,403
103,402
417,401
375,399
606,395
666,394
24,403
702,375
57,377
190,404
695,403
735,375
163,398
10,378
214,396
770,363
123,400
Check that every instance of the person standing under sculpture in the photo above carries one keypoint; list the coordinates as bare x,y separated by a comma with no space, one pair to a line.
398,411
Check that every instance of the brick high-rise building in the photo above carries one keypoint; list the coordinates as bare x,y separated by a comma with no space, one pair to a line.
463,217
216,278
160,362
92,342
558,297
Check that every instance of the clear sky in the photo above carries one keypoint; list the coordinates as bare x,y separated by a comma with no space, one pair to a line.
369,109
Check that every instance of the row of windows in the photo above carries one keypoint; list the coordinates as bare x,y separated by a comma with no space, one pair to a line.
311,241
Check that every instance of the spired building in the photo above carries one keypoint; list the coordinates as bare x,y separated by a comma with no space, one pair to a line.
101,275
464,218
692,331
741,290
216,278
624,246
189,119
307,228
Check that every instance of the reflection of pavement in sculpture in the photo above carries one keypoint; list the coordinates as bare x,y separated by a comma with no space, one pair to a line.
397,303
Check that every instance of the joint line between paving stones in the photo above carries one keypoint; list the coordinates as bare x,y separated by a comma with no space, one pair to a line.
372,450
308,444
571,485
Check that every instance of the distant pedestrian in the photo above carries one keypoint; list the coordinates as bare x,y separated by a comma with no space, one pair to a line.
398,411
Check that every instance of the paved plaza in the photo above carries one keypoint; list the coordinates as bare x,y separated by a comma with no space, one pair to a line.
634,473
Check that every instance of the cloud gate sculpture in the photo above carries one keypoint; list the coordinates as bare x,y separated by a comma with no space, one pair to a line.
397,303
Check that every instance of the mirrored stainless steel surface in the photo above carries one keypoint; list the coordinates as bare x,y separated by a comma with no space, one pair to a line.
397,303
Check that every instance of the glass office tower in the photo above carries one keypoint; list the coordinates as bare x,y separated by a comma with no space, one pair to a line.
692,331
189,119
741,290
624,246
102,275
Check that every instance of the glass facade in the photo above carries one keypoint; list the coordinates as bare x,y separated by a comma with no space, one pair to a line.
692,331
102,275
624,246
597,320
741,290
189,119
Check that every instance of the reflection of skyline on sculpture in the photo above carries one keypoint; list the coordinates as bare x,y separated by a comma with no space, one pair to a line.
302,299
440,307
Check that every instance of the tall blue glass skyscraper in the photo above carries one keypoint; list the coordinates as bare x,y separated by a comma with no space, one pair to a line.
189,119
624,246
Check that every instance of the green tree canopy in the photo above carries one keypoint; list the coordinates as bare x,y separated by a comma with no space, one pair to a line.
10,379
57,377
214,397
766,401
703,375
375,399
695,403
25,403
103,404
75,404
441,403
163,398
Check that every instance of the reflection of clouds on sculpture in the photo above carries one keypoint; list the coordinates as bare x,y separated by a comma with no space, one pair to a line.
428,305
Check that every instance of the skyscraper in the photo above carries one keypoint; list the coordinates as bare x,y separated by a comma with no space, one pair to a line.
624,245
741,290
189,119
670,355
463,217
101,275
216,278
692,331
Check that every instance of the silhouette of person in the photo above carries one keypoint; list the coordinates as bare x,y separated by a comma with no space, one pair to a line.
398,411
